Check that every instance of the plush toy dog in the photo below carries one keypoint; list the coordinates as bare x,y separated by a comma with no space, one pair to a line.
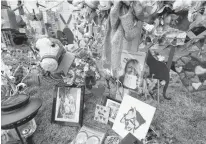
54,57
65,65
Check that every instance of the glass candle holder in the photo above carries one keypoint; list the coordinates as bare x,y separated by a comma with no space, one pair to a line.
28,129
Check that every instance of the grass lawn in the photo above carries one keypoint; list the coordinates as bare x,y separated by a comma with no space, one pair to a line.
183,118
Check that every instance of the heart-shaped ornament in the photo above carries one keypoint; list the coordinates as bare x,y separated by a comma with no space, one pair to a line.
200,70
196,85
178,69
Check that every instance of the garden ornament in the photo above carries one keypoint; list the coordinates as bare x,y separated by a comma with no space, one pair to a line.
158,70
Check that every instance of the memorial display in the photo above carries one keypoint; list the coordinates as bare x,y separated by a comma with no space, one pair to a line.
103,72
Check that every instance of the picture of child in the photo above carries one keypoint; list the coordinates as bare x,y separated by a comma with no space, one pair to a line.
68,104
132,73
67,107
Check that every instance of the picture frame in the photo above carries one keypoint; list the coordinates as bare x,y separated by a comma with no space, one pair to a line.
132,69
68,109
114,105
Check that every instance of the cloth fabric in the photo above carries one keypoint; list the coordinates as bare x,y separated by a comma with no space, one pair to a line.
107,44
121,33
114,15
131,30
117,47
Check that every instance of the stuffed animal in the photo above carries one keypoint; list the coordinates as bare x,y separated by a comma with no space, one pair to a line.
61,64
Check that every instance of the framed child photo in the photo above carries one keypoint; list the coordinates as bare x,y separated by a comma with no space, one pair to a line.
132,69
68,106
114,105
131,73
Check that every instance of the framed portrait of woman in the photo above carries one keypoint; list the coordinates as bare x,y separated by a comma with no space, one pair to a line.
68,106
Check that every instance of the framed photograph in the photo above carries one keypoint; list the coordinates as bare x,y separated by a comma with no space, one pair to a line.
132,68
88,135
114,107
134,116
68,106
131,73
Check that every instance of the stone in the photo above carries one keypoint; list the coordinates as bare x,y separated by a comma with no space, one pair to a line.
190,88
182,75
189,74
196,85
186,82
180,63
186,59
195,54
193,48
195,79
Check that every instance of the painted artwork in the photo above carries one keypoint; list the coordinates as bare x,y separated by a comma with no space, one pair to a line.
114,107
132,120
68,105
102,114
88,135
134,116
